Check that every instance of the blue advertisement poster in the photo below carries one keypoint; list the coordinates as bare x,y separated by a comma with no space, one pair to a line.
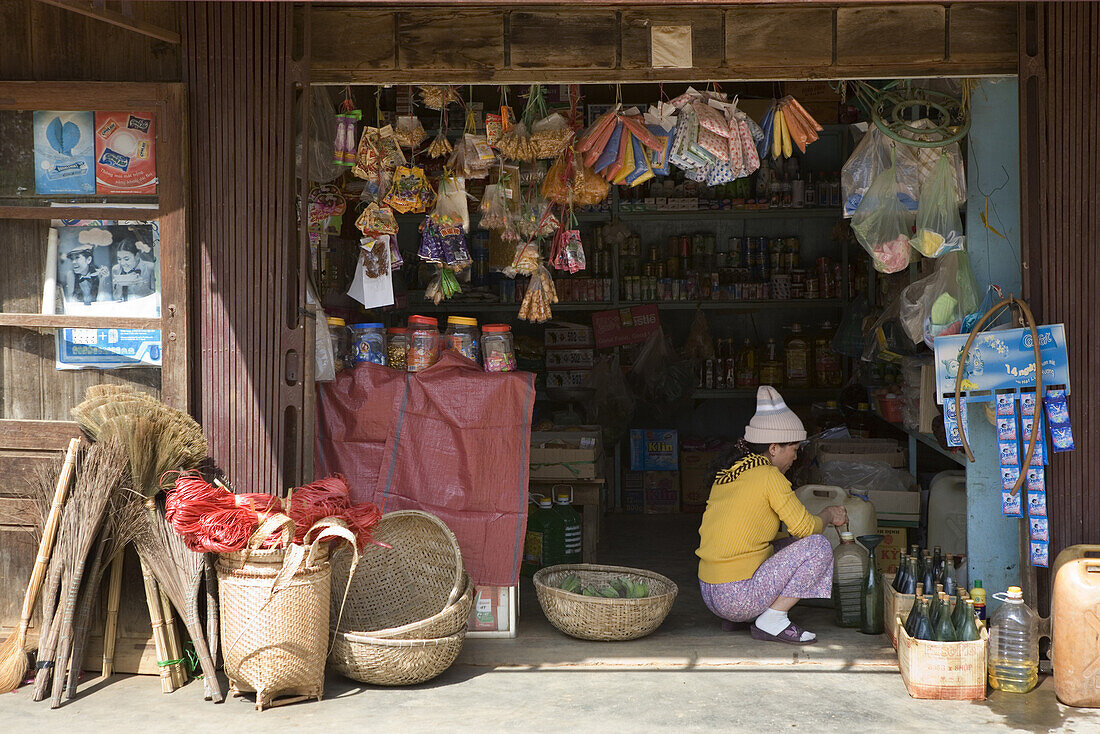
64,152
1001,360
106,349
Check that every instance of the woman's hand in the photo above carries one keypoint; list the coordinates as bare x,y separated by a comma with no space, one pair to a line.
834,515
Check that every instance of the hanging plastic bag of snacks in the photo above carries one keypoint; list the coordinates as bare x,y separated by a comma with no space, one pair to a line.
375,260
516,144
396,261
455,253
536,219
567,252
442,286
550,136
437,96
881,224
539,297
555,185
344,148
409,131
494,208
939,226
410,192
587,187
376,220
451,204
595,140
440,146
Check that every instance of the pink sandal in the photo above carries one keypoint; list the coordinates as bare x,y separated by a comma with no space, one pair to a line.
791,635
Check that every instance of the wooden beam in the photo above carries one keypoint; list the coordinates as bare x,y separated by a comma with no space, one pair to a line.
39,436
114,17
91,211
49,321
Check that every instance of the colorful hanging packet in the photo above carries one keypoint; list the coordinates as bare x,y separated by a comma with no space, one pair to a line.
660,120
1040,554
1011,505
624,164
642,170
610,151
344,146
952,422
1057,410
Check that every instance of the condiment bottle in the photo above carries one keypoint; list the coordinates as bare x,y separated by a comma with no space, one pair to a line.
797,359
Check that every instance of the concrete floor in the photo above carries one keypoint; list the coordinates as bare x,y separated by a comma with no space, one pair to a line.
688,676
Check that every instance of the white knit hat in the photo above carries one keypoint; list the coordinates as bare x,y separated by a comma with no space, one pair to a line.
774,422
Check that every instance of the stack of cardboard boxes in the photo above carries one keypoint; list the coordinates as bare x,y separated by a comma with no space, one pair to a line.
570,354
652,485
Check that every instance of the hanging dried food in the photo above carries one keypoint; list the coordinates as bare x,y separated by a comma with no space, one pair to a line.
550,136
540,295
440,146
375,258
409,131
494,208
442,286
451,206
516,144
437,97
443,244
536,219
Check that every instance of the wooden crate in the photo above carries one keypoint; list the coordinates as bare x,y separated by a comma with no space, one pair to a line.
948,671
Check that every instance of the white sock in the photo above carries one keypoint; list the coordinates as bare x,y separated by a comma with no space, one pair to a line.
774,621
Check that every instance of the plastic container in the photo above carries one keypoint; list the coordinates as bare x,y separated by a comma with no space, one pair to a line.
341,339
544,544
500,356
1075,632
397,347
463,337
1013,644
977,593
423,349
947,512
862,519
369,342
563,507
796,359
849,567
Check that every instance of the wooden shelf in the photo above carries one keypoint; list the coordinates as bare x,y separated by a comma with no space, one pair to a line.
484,307
790,395
817,213
62,321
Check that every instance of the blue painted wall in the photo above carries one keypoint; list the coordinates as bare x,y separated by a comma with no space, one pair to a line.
994,172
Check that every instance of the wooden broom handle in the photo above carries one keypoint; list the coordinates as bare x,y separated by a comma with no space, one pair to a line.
49,531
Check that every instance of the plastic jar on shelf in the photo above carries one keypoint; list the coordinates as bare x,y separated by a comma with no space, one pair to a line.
397,344
338,335
497,344
463,337
423,343
369,343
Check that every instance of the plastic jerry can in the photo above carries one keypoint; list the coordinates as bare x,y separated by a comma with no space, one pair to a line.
1071,553
947,515
862,519
1075,632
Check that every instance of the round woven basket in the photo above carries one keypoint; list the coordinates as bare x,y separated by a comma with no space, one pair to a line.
598,618
444,624
388,662
413,581
274,645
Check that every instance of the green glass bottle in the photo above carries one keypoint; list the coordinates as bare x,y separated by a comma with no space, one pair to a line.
935,607
911,620
960,609
944,631
950,585
968,631
922,626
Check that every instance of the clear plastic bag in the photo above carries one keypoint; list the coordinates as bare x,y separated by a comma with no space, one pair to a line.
936,305
939,226
660,378
568,251
881,224
494,208
612,405
541,293
550,136
876,475
451,205
322,131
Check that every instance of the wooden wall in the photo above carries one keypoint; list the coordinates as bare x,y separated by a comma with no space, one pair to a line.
1059,68
45,43
737,41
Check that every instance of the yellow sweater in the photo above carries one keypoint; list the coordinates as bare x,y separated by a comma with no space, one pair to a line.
747,503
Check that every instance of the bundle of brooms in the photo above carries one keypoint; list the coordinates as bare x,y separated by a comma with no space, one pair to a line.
138,443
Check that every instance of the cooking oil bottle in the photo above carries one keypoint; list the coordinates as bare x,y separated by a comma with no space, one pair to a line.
1013,644
563,508
848,572
540,542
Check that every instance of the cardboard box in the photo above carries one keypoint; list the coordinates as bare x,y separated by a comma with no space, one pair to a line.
654,450
570,337
633,499
570,359
889,551
493,613
566,454
566,378
662,492
885,450
898,508
696,478
952,671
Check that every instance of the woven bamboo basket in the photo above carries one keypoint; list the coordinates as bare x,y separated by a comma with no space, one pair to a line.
388,662
274,607
597,618
411,583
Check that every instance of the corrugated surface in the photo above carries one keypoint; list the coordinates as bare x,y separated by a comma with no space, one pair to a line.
246,293
1060,160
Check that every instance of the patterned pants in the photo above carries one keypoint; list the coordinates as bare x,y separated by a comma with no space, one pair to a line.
800,568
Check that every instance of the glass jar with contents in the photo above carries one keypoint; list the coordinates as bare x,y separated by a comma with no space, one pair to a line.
423,343
771,368
497,343
797,358
828,368
463,337
397,344
369,342
338,335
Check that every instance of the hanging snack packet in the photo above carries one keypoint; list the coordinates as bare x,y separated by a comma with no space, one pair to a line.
343,148
939,226
1040,554
396,261
451,205
440,146
881,224
550,136
431,242
1057,410
438,96
494,208
540,295
409,131
410,191
376,220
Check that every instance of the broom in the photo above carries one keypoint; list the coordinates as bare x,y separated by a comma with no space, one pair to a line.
110,627
180,572
101,475
13,656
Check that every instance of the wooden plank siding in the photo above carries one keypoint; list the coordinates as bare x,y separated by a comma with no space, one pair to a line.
582,43
1060,165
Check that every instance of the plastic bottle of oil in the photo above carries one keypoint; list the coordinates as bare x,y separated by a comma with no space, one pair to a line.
797,358
1013,644
544,544
746,368
771,368
563,508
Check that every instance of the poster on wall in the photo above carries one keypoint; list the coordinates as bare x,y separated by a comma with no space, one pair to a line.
64,152
107,349
125,156
104,270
